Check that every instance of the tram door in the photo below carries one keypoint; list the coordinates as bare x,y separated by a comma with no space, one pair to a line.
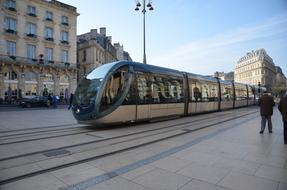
143,97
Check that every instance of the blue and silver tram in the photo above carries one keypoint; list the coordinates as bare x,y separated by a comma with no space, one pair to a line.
123,92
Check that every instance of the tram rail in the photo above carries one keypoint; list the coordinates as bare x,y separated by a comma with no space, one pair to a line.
131,143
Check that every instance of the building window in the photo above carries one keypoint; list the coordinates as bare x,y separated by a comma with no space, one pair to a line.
49,16
65,20
65,37
10,25
31,52
49,55
49,34
10,75
11,5
64,56
84,55
31,30
31,11
11,49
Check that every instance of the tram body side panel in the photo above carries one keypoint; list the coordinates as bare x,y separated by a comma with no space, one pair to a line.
240,103
200,107
124,113
226,105
143,112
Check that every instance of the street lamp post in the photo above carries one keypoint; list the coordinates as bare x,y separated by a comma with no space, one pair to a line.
144,6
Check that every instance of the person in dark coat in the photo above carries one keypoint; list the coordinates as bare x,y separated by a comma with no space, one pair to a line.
283,109
266,103
71,101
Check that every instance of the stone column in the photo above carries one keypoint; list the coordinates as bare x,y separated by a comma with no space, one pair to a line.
57,84
2,86
21,84
40,86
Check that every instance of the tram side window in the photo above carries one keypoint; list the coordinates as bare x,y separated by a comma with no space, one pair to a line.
195,91
226,92
144,94
130,98
114,87
209,92
250,93
166,90
240,92
203,91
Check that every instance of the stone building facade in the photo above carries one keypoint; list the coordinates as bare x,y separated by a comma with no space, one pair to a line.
256,67
95,49
224,76
37,48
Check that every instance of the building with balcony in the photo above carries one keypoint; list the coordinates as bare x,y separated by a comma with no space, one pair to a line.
224,76
256,67
121,54
95,49
37,48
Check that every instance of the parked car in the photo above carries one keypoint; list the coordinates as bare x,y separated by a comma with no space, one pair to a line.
34,101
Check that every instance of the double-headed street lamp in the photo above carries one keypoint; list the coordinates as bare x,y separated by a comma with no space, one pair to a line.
144,6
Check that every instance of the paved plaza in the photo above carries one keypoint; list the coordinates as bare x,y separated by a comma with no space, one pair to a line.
229,156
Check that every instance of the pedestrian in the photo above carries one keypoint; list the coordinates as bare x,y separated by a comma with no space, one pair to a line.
266,103
54,101
49,101
283,109
71,101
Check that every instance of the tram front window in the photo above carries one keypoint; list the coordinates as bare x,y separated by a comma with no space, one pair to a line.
114,88
87,90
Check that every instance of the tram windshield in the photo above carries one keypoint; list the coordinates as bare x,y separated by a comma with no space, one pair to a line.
88,88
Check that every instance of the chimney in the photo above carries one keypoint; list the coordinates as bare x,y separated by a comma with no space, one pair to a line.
103,31
110,38
94,31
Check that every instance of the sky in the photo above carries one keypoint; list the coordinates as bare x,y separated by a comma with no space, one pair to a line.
197,36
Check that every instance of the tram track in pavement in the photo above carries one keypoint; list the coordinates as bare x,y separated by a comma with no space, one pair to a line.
157,137
100,140
7,139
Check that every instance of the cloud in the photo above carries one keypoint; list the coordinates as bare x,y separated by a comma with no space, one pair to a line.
222,51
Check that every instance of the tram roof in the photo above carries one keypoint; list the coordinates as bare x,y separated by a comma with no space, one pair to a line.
140,67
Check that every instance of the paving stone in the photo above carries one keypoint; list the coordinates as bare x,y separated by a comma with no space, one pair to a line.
77,173
266,160
171,164
282,186
273,173
204,172
159,179
19,170
201,185
117,183
40,182
201,157
138,172
240,181
238,165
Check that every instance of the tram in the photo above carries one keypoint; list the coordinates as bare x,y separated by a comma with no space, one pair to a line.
124,92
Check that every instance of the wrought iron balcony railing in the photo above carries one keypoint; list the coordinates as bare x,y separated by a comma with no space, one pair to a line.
38,62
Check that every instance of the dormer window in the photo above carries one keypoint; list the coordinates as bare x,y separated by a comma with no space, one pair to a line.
31,11
11,5
65,20
49,16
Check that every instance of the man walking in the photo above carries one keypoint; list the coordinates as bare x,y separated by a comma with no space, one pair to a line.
266,103
283,109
